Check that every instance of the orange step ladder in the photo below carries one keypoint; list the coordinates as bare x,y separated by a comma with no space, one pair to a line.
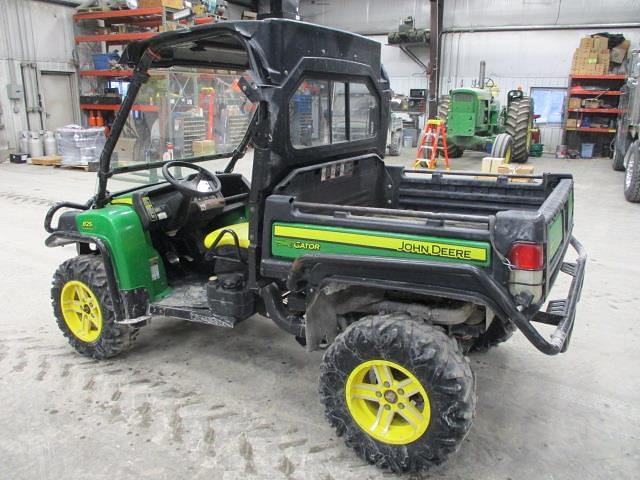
433,141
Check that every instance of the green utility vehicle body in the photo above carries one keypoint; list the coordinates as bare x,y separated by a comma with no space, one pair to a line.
311,209
387,269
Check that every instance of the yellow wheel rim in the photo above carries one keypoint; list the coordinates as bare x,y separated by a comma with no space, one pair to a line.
81,311
388,402
507,155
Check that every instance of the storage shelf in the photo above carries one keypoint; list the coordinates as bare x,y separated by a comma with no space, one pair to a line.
119,14
106,73
599,77
580,91
591,129
595,110
115,37
114,107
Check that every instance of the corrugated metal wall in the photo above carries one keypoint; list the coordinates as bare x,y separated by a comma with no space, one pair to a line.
371,17
34,37
540,58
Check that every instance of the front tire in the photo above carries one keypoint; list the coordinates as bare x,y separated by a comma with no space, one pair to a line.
400,392
83,309
503,147
632,174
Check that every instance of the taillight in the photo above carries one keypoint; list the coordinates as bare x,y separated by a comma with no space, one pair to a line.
527,256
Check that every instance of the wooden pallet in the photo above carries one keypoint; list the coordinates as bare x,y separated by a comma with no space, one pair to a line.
93,167
47,161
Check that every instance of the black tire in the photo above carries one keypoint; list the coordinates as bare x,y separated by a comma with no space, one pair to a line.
432,357
113,338
619,150
502,145
518,124
444,103
632,175
395,147
498,332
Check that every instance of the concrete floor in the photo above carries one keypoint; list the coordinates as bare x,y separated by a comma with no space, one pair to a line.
191,401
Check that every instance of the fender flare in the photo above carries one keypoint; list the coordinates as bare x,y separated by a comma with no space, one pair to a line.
60,238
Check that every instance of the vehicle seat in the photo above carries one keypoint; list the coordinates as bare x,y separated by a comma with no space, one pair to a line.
240,229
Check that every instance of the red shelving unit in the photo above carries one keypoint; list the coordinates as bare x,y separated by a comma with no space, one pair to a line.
589,124
591,129
98,30
593,93
106,73
133,15
115,107
115,38
598,77
595,110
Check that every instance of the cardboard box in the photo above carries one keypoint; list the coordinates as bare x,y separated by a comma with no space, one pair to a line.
592,103
572,123
491,164
575,102
619,53
203,147
176,4
601,44
517,170
586,42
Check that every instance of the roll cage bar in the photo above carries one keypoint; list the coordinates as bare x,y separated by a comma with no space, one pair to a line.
276,54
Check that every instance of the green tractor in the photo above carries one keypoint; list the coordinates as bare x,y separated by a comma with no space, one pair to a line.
475,120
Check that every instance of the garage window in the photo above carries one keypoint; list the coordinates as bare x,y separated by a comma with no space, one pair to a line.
549,104
326,112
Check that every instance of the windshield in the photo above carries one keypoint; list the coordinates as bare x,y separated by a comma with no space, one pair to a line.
182,113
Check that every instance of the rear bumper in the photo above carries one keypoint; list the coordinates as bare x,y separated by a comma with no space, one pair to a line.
459,281
562,313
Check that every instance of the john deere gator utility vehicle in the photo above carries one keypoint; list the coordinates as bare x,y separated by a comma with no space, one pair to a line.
475,121
395,274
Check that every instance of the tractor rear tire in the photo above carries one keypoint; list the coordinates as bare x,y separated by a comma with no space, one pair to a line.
416,418
632,175
444,104
84,310
503,147
518,124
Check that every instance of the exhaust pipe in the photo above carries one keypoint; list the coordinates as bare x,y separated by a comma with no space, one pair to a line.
272,298
481,76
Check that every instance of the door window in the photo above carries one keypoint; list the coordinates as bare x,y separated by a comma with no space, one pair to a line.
326,112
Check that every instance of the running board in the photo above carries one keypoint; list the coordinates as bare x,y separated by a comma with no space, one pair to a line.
197,315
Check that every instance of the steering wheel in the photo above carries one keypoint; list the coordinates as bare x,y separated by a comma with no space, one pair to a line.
192,187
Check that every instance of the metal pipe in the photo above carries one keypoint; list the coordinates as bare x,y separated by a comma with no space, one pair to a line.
64,3
522,28
483,68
